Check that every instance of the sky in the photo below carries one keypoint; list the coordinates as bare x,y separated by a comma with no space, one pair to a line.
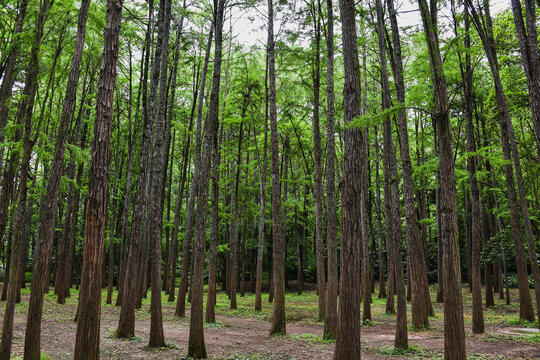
249,25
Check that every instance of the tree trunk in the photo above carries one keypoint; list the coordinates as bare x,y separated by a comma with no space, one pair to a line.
186,252
196,345
278,317
87,339
485,32
261,169
528,45
210,316
317,167
331,319
417,277
454,332
24,116
348,336
134,262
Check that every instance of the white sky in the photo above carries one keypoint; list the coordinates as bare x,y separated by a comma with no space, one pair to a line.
249,33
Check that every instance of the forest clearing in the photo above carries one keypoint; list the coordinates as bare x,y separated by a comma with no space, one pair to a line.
242,334
291,179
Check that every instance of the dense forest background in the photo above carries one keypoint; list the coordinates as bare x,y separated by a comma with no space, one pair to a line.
145,146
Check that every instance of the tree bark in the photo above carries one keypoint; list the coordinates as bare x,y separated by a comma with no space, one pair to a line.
348,336
454,332
331,319
420,302
278,317
87,338
196,345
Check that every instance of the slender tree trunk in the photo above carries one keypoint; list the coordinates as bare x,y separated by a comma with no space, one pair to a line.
210,316
421,302
528,45
24,116
196,345
331,319
234,229
317,166
454,332
134,262
485,31
278,317
261,169
186,252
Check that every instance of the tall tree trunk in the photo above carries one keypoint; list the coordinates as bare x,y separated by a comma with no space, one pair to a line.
112,221
421,302
234,228
476,233
454,332
528,44
88,325
278,317
8,78
178,207
196,345
24,116
159,161
134,262
331,319
317,165
261,169
64,270
186,252
348,336
485,31
210,316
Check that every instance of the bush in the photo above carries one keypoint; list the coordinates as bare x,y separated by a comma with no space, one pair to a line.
513,281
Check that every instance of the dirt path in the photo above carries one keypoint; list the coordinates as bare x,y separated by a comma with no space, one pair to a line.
242,338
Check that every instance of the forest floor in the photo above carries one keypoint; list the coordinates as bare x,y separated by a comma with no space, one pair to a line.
243,334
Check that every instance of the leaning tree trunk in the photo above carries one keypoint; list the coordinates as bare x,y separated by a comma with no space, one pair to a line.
24,116
454,332
528,45
485,31
88,325
421,302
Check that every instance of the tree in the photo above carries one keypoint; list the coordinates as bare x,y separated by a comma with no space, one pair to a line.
87,338
49,207
454,332
330,321
278,281
348,336
196,345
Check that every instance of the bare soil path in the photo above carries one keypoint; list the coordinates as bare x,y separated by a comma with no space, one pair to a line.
247,338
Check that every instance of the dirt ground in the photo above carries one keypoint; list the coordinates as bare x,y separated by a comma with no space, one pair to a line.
247,338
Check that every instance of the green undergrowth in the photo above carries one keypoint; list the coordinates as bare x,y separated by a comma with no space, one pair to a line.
312,339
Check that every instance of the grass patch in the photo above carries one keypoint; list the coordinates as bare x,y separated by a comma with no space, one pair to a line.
312,339
495,338
413,351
